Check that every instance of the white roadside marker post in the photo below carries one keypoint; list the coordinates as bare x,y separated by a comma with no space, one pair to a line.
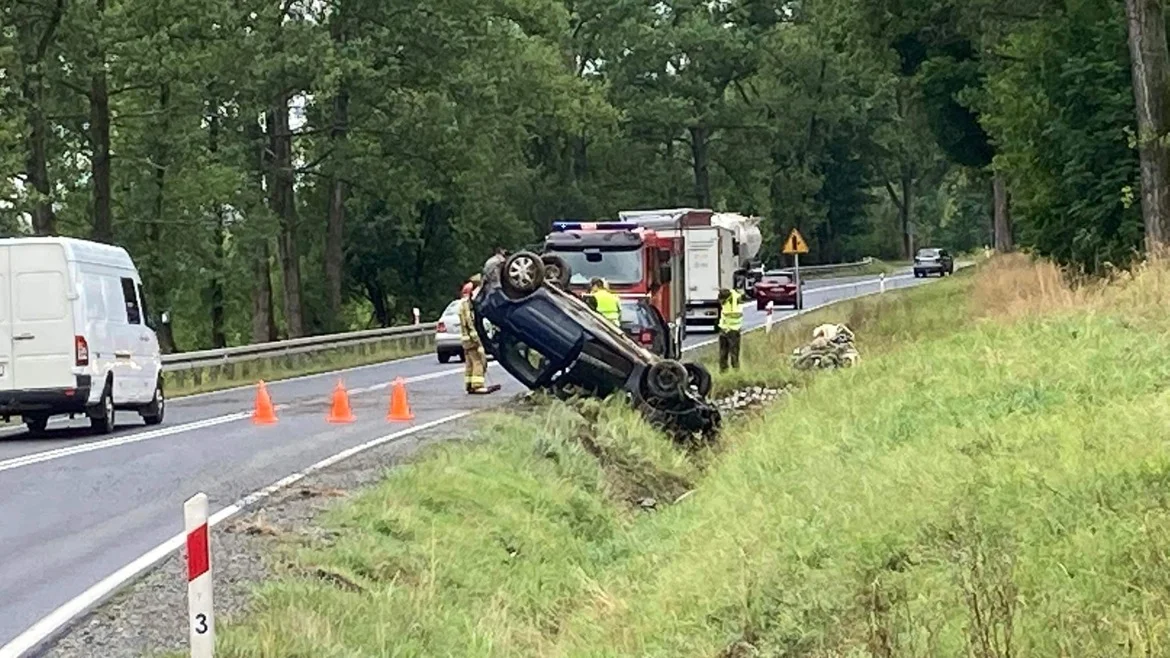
417,318
768,319
882,283
199,585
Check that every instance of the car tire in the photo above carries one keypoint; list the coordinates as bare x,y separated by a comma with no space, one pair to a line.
760,306
153,413
444,357
102,417
523,273
556,270
666,380
36,424
699,378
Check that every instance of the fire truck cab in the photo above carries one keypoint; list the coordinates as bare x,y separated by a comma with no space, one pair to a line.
635,261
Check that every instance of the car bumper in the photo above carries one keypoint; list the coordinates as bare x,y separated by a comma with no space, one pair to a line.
777,300
929,268
47,400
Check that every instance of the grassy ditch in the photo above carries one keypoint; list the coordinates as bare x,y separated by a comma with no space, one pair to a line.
286,366
991,482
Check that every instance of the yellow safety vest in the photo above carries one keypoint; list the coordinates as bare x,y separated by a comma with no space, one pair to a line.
609,305
731,313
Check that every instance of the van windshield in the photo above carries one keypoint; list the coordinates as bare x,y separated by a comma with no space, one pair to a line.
616,267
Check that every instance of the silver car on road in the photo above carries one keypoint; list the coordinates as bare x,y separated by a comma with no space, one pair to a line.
448,334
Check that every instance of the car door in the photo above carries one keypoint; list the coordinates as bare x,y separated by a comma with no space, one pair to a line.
42,329
149,354
131,348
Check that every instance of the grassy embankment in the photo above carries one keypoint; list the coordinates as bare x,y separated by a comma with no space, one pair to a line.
991,481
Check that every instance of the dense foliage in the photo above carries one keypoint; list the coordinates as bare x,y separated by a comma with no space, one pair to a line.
284,168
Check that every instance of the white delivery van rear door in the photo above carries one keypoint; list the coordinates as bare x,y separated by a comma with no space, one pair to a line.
702,264
41,312
7,368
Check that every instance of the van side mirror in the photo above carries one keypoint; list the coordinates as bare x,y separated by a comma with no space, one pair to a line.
664,273
166,318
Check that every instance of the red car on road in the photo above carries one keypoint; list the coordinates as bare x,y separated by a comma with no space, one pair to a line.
778,287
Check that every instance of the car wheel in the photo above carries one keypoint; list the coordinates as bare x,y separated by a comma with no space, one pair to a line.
523,274
761,306
698,378
154,412
556,270
666,380
36,424
444,357
102,417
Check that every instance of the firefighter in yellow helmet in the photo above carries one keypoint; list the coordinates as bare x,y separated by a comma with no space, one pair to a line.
730,328
605,301
474,357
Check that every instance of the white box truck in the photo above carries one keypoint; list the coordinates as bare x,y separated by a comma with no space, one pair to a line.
74,334
710,267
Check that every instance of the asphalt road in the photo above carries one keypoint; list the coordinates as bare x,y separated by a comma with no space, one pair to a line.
75,508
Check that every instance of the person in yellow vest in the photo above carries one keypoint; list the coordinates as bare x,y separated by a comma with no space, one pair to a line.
730,328
474,357
606,302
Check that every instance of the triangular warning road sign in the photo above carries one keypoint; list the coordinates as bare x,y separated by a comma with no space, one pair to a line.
795,243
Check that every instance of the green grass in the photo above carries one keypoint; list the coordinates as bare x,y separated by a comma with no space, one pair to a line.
983,479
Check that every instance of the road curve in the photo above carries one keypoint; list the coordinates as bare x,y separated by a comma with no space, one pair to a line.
75,509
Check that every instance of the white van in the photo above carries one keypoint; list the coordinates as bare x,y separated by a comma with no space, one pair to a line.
74,336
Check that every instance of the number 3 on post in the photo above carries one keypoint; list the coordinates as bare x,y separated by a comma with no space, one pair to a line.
199,586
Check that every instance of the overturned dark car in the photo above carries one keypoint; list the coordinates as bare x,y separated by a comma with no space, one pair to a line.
549,339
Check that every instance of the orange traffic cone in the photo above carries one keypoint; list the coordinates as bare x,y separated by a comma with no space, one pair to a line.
340,411
264,413
399,407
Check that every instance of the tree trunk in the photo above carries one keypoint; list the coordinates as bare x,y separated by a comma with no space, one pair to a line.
335,229
166,336
701,163
263,319
215,291
906,212
44,219
99,139
283,205
671,190
1002,214
1150,66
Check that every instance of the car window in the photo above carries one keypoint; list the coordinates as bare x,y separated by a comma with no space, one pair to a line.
452,308
928,253
133,311
145,308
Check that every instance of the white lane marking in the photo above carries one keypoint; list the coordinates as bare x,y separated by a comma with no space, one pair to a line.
95,595
41,631
59,453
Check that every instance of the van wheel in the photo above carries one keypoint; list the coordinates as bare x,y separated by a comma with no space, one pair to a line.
101,417
36,424
152,414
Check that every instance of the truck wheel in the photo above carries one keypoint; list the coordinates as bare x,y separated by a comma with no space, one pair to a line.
523,274
698,378
556,270
152,414
666,380
102,416
36,424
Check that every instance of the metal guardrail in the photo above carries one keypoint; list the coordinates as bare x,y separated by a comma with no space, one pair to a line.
834,266
203,358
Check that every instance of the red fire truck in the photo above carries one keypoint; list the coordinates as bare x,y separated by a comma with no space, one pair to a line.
638,263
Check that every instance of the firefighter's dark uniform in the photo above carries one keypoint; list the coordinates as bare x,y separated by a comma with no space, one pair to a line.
730,329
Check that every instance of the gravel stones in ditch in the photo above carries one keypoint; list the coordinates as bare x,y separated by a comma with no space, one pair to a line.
748,398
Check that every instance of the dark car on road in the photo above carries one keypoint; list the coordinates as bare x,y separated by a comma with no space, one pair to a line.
778,287
933,261
548,339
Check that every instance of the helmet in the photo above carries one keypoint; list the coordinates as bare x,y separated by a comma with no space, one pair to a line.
476,279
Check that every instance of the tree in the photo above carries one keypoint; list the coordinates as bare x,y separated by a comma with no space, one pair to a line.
1151,84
